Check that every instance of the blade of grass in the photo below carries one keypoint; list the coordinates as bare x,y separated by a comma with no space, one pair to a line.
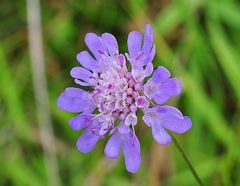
225,55
41,94
12,98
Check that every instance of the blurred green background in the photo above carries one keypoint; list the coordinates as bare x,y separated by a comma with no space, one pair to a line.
198,40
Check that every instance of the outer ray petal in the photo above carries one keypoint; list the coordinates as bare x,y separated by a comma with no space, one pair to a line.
88,62
113,146
111,43
75,100
95,44
87,141
131,151
81,121
134,43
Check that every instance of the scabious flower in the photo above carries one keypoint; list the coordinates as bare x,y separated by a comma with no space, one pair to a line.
118,90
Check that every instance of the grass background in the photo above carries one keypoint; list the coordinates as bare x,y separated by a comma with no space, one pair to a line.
197,40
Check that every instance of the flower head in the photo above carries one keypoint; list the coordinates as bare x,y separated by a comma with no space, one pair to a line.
118,91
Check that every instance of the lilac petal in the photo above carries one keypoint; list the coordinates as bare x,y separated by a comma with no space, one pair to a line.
169,88
114,130
87,140
76,100
80,73
113,146
148,70
173,120
148,39
168,117
94,43
88,62
152,117
150,56
160,135
131,151
177,125
161,74
85,76
110,43
160,88
81,121
134,43
139,73
123,129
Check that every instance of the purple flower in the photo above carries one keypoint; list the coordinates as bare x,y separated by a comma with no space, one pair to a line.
117,91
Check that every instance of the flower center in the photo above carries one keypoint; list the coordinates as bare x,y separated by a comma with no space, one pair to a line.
116,93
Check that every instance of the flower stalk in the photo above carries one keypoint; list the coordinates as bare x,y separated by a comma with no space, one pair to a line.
185,157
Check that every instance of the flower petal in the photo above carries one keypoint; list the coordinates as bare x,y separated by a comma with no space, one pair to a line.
113,146
123,129
168,117
88,62
169,88
94,43
87,140
81,121
84,75
110,43
76,100
148,70
173,120
150,56
160,135
134,43
139,73
152,118
80,73
160,88
131,151
161,74
148,39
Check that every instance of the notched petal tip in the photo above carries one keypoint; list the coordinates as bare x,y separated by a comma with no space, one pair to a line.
88,62
95,44
110,43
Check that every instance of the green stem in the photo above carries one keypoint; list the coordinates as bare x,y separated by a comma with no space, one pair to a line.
193,171
179,147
